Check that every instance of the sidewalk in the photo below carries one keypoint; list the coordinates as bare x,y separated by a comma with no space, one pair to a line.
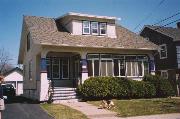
93,112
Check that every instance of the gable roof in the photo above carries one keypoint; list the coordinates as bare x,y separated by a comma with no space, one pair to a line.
168,31
17,69
44,31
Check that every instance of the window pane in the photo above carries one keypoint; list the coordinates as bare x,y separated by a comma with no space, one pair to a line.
65,68
122,68
96,67
55,68
128,68
109,68
140,68
134,68
146,68
102,28
85,23
86,30
90,68
103,68
94,27
116,68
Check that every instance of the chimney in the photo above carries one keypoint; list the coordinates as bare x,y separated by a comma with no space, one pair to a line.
178,25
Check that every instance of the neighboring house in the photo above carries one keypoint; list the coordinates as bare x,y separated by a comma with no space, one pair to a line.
65,51
168,59
15,77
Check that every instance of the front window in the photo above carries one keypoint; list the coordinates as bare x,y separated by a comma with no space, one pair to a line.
117,65
94,28
65,69
48,63
163,51
102,28
55,68
164,73
86,27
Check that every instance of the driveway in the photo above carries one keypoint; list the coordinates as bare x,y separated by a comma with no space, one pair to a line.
21,108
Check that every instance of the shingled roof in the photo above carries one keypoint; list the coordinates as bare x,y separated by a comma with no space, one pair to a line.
44,31
168,31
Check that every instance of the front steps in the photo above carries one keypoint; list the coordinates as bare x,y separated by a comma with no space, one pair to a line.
64,94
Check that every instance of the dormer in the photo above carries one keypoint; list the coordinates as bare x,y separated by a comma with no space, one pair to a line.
84,24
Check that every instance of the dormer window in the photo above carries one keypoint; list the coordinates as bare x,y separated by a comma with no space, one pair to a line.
94,28
102,28
86,27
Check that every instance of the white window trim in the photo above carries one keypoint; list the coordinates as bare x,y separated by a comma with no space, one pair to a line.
63,69
177,59
102,28
165,51
164,71
86,27
94,28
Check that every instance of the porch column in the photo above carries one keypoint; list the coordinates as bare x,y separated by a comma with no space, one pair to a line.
83,66
44,85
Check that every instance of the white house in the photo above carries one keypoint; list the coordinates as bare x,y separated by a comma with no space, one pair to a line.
65,51
15,77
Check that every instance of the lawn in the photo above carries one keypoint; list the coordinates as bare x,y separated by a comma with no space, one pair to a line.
137,107
62,112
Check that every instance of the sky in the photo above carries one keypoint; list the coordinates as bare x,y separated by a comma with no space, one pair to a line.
131,12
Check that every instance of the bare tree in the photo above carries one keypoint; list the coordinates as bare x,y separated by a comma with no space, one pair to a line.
4,61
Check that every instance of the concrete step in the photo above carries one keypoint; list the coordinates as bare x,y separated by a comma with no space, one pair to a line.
64,98
64,94
65,101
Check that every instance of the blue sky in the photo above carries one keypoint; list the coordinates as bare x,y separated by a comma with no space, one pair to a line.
131,12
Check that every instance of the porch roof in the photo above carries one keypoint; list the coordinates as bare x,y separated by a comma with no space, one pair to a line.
45,31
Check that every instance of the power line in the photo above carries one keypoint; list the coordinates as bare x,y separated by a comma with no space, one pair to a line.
167,24
150,14
167,18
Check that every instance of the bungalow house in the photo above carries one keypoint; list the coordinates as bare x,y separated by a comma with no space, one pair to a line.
65,51
15,77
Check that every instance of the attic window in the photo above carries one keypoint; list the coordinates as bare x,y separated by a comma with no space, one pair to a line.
86,27
102,28
28,41
94,28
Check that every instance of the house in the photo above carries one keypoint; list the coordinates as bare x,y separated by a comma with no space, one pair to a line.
167,61
65,51
15,77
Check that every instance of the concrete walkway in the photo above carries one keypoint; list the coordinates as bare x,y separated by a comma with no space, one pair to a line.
93,112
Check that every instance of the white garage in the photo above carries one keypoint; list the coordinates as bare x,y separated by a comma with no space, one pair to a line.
15,77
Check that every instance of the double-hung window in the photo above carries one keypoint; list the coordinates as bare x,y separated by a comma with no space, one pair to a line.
94,28
163,51
164,73
55,68
86,27
102,28
65,68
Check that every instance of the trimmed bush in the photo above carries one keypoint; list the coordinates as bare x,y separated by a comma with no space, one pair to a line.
115,87
119,88
94,88
162,85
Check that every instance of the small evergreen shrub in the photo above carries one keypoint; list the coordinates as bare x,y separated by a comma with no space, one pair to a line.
162,85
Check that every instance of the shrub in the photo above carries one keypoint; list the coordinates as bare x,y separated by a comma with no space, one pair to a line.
94,88
162,85
119,88
115,87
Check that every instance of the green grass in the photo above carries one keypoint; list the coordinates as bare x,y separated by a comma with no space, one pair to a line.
62,112
137,107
